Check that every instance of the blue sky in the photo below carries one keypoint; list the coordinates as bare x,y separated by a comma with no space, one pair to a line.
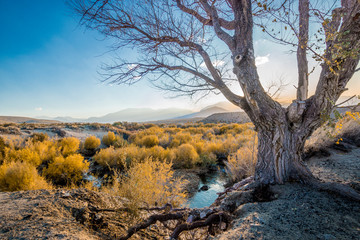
49,64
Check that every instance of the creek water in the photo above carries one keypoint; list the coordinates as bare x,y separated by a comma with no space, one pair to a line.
215,180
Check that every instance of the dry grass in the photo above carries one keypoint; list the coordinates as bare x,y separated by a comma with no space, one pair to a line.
242,163
151,183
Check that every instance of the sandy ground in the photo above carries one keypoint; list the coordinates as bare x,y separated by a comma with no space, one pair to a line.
300,212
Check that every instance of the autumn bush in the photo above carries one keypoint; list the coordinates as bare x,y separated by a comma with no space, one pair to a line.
111,157
186,156
150,183
149,141
69,145
109,139
242,163
23,155
92,143
66,170
16,176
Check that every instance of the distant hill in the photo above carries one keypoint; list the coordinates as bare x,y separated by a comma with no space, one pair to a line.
228,117
14,119
140,115
203,113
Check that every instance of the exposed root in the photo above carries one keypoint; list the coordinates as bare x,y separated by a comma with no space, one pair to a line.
245,184
151,220
221,218
187,219
338,188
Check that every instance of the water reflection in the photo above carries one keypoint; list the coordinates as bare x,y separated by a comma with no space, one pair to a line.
215,181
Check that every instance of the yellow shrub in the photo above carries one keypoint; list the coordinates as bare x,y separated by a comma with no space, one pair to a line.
109,139
164,140
16,176
47,150
180,138
242,163
151,182
66,171
159,153
92,143
110,157
149,141
24,155
186,156
69,145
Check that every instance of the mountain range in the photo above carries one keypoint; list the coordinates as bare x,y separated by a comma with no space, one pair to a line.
149,114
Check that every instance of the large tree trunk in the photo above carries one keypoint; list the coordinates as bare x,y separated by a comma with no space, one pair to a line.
280,149
280,155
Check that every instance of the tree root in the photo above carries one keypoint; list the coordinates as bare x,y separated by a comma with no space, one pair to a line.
188,219
216,218
338,188
151,220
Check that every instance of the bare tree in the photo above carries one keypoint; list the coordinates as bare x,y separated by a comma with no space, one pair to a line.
187,46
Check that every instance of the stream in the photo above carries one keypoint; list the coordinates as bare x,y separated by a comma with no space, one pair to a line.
215,181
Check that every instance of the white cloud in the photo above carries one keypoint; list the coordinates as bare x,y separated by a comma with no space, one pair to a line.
260,60
216,63
38,109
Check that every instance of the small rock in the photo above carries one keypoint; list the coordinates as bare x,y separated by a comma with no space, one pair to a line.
204,188
65,194
329,237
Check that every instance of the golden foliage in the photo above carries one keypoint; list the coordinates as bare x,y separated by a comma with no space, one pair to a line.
65,171
69,145
186,156
16,176
151,183
92,143
109,139
242,163
149,141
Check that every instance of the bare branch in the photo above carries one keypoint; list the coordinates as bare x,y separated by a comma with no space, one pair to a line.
212,13
337,105
229,25
303,81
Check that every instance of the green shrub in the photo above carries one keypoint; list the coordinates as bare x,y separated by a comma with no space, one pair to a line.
17,176
66,171
92,143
